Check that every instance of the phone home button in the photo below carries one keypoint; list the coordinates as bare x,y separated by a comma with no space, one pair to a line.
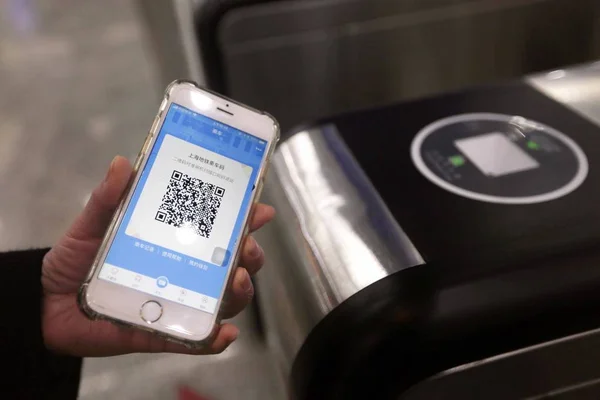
151,311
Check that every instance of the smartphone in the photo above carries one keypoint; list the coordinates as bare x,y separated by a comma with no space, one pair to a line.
172,247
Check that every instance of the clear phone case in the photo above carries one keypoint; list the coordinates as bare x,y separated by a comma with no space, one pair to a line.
81,298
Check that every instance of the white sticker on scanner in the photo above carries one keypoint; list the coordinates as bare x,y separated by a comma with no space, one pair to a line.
495,155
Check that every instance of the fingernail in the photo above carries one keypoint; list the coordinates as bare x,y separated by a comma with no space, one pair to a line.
255,249
110,168
235,335
246,283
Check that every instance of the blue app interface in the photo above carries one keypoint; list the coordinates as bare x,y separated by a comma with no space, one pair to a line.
179,232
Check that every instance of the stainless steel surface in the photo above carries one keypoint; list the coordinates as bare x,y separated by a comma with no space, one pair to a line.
578,88
302,60
328,246
562,369
78,88
565,369
169,24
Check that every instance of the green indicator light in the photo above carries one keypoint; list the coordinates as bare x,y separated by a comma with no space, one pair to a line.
457,161
533,145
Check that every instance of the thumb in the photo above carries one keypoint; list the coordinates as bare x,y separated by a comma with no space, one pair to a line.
97,214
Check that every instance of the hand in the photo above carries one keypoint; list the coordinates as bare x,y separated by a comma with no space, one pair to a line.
67,330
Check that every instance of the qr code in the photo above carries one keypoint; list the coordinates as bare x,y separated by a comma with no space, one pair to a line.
190,201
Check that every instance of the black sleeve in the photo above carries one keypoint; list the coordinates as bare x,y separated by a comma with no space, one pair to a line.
30,370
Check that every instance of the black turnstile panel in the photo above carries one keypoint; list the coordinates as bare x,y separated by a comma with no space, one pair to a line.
452,229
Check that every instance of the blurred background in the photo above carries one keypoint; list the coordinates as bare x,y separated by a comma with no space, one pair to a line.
81,81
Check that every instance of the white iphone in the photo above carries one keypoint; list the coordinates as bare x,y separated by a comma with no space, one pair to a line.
173,244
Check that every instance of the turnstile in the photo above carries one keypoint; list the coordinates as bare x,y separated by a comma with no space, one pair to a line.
441,249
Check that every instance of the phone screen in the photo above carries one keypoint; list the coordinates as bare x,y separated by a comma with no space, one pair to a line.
179,231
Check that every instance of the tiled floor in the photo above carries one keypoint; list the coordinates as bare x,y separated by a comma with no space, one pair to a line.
77,87
243,371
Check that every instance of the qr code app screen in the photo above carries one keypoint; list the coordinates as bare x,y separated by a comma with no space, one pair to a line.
186,208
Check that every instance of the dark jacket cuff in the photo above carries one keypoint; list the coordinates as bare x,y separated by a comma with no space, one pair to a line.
33,371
